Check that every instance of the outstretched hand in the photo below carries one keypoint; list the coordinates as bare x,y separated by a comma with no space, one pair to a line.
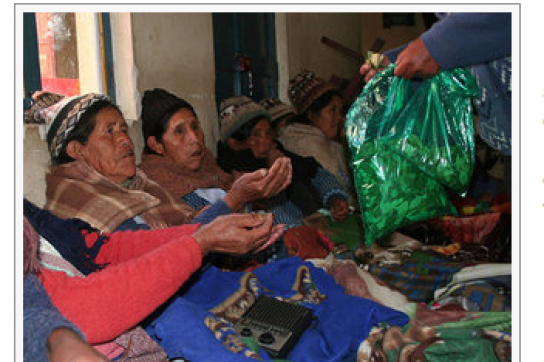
273,155
416,61
238,233
260,184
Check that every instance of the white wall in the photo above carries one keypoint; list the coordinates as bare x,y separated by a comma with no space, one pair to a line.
36,162
372,27
305,50
175,51
282,53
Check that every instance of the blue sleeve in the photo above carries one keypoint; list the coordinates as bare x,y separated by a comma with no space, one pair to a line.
287,213
463,39
328,187
196,202
393,53
218,208
40,318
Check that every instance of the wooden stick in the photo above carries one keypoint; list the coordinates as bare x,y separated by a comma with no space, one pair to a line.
356,82
375,47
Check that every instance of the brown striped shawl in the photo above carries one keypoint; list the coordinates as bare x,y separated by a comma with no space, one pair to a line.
180,182
76,190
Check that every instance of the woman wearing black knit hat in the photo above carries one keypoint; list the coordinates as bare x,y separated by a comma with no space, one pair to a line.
175,156
248,141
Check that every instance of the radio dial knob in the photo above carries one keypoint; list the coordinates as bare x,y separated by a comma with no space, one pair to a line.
246,332
266,338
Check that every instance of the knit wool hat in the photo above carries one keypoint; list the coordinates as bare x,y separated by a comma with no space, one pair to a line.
158,103
277,109
234,112
305,88
62,117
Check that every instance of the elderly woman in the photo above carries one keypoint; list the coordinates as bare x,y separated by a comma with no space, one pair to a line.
176,157
316,128
94,176
248,142
106,283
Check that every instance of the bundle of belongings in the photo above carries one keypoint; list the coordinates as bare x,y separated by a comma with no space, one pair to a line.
457,295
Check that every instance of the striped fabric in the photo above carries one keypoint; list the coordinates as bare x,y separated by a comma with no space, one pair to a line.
486,294
417,281
287,213
75,190
195,201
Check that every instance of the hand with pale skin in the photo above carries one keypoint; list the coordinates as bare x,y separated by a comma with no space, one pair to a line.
238,233
339,209
260,184
368,72
65,345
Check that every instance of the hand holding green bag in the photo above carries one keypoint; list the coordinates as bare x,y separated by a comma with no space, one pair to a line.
405,143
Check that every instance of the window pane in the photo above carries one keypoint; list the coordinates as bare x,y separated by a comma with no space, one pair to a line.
57,43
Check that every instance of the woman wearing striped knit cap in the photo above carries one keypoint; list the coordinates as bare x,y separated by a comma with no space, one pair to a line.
248,142
281,114
315,130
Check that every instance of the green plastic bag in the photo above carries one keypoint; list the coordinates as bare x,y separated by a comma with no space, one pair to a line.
431,127
393,192
406,144
436,131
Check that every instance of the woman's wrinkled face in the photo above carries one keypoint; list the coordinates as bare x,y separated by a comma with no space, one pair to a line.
183,140
261,140
329,118
109,149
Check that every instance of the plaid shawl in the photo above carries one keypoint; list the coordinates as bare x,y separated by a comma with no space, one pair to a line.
180,182
76,190
417,281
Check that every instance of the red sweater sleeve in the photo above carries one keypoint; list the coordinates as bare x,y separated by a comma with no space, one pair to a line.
107,303
126,245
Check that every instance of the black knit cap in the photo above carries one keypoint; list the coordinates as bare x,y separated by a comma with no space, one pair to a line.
158,105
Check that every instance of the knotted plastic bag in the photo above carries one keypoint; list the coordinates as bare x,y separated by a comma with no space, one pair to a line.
406,143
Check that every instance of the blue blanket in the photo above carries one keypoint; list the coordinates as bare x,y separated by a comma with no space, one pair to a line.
187,327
